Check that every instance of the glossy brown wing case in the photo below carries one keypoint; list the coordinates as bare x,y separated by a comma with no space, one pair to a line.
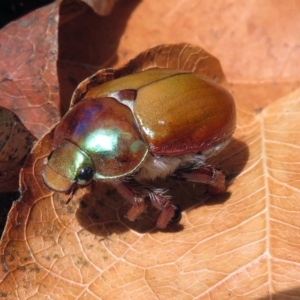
177,112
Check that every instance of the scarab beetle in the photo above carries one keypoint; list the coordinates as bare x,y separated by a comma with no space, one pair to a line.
156,123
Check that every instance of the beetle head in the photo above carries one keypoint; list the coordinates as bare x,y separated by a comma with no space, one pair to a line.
68,166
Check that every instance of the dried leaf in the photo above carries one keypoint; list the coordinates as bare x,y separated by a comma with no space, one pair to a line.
15,144
223,245
28,78
243,246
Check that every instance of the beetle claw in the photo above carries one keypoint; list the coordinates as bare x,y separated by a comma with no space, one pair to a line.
177,215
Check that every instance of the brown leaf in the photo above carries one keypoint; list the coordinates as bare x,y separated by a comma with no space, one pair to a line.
245,246
15,144
28,79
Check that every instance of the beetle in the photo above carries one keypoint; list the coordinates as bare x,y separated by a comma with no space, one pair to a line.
147,125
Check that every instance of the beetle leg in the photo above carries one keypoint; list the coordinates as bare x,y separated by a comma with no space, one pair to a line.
134,194
137,194
162,202
215,179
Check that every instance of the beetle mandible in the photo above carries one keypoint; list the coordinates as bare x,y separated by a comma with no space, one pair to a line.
143,126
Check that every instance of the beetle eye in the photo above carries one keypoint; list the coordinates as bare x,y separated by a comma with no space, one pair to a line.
85,176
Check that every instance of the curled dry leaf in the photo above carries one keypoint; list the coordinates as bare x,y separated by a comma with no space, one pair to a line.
245,246
15,144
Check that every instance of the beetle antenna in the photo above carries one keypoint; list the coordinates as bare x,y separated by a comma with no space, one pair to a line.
73,190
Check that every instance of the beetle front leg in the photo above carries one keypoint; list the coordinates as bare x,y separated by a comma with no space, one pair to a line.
215,179
134,194
137,194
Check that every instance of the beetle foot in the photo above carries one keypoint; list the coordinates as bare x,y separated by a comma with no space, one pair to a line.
137,194
218,186
161,201
136,210
215,179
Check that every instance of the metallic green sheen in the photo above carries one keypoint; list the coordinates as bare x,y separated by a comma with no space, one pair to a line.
104,142
68,159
